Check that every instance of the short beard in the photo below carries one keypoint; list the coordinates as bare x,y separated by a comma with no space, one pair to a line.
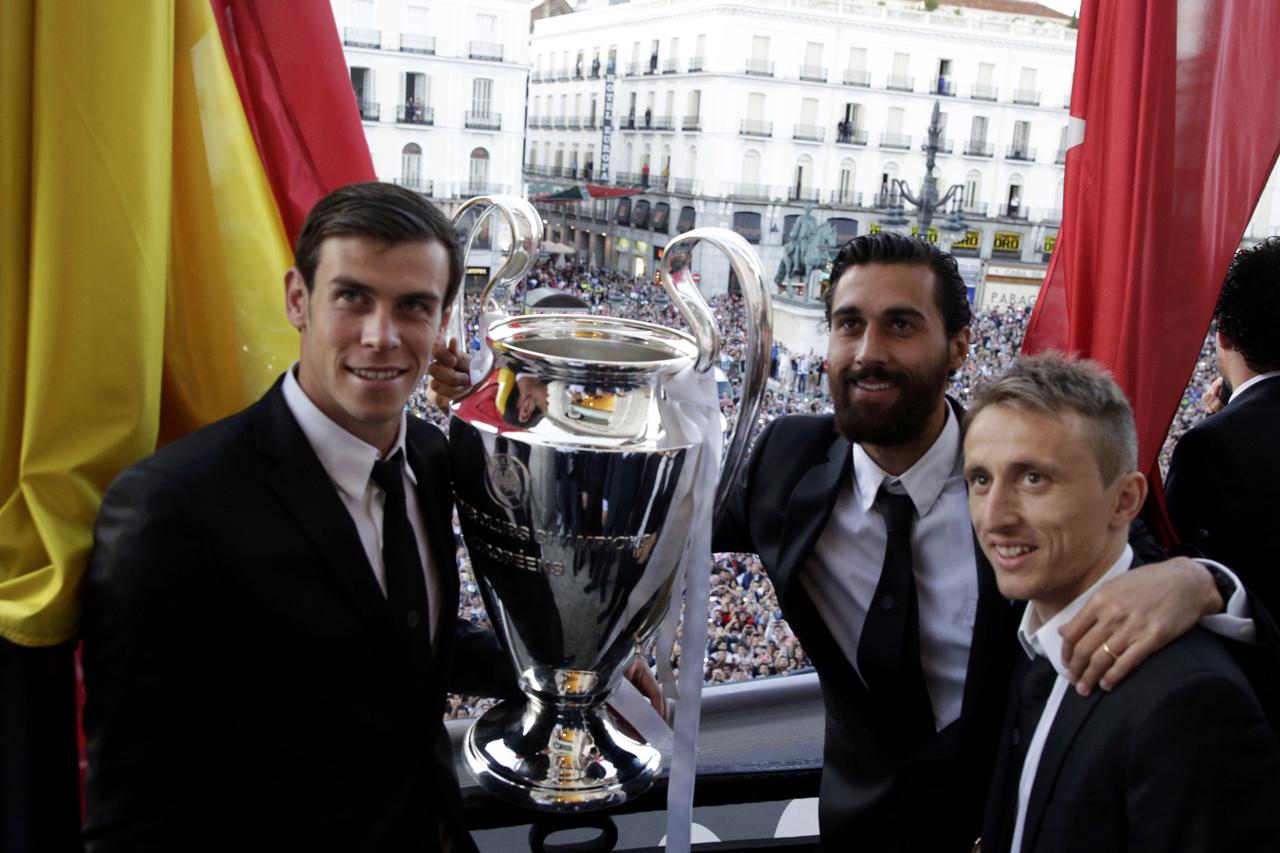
901,423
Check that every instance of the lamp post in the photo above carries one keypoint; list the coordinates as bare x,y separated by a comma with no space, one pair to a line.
928,201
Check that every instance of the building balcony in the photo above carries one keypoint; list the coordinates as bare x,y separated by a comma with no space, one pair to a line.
671,66
559,122
943,86
535,76
813,73
984,93
634,69
573,122
1061,157
1066,101
808,194
1013,211
1020,152
895,140
691,123
808,133
854,136
417,43
370,110
594,73
898,83
652,67
979,148
663,123
946,146
886,199
1026,97
627,179
418,185
755,127
589,123
482,121
846,198
682,186
471,190
578,73
487,50
759,67
627,123
361,37
563,74
697,63
406,114
857,77
749,192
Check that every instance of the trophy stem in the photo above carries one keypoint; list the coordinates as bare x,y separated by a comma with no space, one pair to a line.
552,757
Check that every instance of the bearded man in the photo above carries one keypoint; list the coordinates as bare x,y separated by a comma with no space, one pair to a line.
861,521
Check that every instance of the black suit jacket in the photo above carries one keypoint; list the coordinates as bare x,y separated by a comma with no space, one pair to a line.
1223,489
1178,757
245,687
871,795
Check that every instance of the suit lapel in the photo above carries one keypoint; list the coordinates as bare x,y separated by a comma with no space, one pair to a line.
808,511
437,521
306,491
1072,714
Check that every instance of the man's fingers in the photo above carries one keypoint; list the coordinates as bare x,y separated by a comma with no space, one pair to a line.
1130,659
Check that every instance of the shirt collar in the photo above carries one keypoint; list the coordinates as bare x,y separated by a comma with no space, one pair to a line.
1254,381
1044,639
347,460
923,482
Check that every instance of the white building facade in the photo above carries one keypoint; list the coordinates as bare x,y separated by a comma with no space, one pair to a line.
441,87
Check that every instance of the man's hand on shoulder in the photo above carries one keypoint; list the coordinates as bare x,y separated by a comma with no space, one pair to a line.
450,374
1132,616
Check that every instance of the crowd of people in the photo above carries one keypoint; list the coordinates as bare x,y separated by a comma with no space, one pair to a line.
747,636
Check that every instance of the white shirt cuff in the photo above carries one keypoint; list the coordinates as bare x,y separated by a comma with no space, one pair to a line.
1234,623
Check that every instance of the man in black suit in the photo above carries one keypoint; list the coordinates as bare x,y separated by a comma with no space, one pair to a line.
1179,757
862,524
270,610
1223,488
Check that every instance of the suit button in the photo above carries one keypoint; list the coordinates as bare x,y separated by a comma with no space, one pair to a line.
413,619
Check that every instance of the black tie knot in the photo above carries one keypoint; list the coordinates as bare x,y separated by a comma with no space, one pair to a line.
389,474
1038,684
897,510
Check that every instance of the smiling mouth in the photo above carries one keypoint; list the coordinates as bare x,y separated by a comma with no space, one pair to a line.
871,385
378,375
1010,552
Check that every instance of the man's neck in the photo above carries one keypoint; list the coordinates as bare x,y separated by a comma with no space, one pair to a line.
899,458
1048,607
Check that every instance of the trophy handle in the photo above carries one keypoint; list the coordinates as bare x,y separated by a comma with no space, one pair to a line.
526,241
746,265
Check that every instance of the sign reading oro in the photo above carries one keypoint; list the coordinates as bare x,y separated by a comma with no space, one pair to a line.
1007,243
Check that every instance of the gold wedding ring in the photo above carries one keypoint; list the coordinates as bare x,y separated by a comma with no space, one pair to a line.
1114,657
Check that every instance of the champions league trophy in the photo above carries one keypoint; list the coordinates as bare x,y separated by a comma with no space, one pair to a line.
568,460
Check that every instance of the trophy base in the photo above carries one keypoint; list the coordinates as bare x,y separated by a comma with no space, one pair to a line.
551,758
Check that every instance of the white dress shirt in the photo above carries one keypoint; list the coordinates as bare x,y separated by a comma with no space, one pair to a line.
1251,382
349,463
844,569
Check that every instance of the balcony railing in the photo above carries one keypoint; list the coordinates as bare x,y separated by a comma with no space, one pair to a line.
652,66
1013,211
750,192
472,189
1029,97
671,66
847,198
407,114
857,77
697,63
943,86
559,122
663,123
691,123
755,127
759,67
803,194
535,76
417,43
1061,157
594,73
563,74
627,123
808,132
634,69
852,136
418,185
627,179
574,122
682,186
485,50
814,73
361,37
895,140
1020,152
589,123
977,208
946,146
886,199
979,148
577,72
984,93
370,110
483,121
898,83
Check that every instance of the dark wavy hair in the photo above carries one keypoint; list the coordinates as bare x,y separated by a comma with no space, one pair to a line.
1248,310
887,247
384,212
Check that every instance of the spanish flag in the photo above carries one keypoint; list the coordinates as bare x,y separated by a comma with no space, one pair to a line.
156,161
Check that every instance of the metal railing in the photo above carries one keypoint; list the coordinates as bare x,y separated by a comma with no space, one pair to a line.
1020,152
361,37
979,148
671,66
627,122
895,140
848,197
485,50
886,199
627,179
856,136
1026,97
898,83
750,192
803,194
857,77
759,67
370,110
634,68
984,93
1013,211
682,186
755,127
697,63
808,132
574,122
946,146
813,73
663,123
407,114
559,122
417,43
691,123
482,121
943,86
418,185
589,123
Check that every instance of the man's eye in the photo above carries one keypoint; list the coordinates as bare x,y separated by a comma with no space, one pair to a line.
349,295
1034,478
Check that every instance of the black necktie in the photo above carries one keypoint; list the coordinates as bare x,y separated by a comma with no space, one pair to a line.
406,585
1037,684
889,648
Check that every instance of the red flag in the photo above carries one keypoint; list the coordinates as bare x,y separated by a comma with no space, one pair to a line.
288,64
1175,101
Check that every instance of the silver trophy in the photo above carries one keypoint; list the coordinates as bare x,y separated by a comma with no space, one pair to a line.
567,468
